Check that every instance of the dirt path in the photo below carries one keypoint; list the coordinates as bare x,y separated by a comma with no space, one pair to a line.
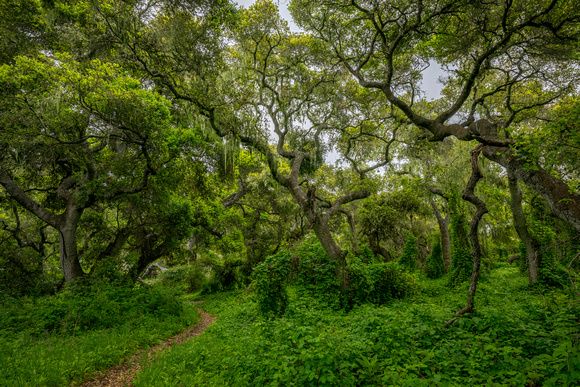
124,373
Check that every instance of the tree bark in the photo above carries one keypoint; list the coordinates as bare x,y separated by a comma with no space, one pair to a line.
65,223
445,238
532,245
563,201
352,225
481,209
376,248
327,241
69,260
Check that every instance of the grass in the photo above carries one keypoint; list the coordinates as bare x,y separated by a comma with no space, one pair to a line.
56,358
517,337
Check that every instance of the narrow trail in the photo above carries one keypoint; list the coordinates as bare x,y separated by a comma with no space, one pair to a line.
124,373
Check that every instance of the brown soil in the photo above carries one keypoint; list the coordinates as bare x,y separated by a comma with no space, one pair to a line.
124,373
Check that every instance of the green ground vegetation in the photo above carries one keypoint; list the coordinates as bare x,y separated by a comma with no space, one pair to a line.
518,336
53,340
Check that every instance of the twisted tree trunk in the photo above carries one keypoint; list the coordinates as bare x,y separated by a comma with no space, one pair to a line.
481,209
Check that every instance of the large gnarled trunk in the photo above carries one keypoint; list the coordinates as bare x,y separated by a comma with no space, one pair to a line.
326,239
319,220
65,223
69,260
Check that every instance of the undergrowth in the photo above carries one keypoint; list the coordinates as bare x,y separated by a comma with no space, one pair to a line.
49,341
517,337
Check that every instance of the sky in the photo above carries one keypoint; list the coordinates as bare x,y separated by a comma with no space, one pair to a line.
431,86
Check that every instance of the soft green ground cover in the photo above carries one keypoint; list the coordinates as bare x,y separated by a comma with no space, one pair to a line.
518,337
54,340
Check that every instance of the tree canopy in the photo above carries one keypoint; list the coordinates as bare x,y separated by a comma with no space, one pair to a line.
200,131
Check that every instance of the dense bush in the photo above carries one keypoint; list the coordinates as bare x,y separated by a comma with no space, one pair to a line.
408,260
552,273
434,267
367,256
316,274
333,283
189,277
517,338
461,258
225,273
377,283
86,305
270,284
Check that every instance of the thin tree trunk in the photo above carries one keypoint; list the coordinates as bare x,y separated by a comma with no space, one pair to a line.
352,226
481,209
445,238
532,246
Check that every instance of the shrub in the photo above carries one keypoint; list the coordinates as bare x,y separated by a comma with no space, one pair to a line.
225,273
87,305
317,277
461,259
377,283
190,277
408,260
434,267
316,273
270,279
367,256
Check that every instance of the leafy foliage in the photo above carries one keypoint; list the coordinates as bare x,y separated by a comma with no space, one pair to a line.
87,305
224,272
189,277
270,279
434,267
129,321
461,259
377,283
517,338
410,254
315,276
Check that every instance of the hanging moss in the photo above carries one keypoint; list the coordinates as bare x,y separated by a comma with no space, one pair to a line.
434,267
409,258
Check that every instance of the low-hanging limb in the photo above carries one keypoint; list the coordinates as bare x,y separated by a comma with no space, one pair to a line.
481,209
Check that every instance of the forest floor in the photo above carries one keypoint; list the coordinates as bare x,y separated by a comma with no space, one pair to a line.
518,336
124,373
